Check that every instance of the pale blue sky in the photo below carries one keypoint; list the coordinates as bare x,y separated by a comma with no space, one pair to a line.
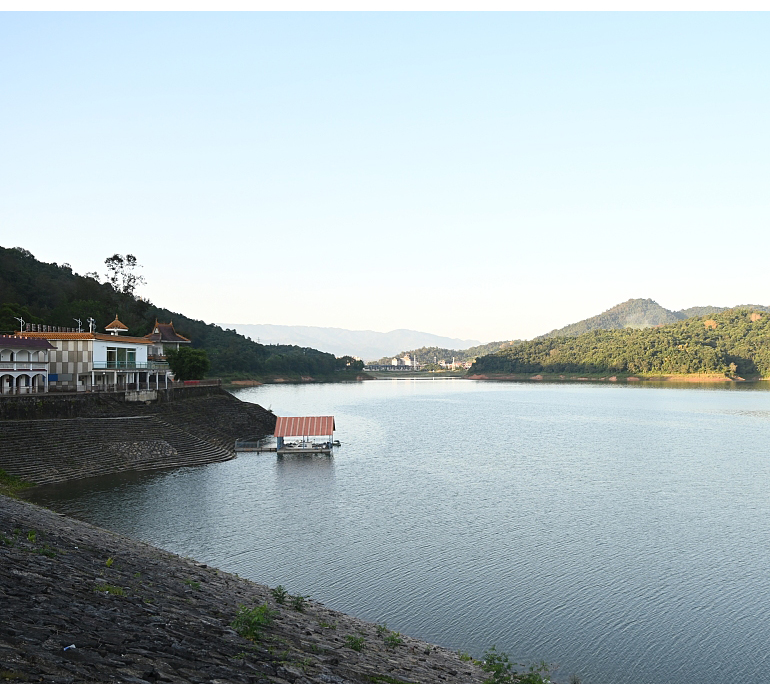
485,176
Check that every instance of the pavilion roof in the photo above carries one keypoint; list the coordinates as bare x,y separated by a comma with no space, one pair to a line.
116,325
305,426
164,332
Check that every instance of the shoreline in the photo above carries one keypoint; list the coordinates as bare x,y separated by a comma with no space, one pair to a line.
137,613
704,378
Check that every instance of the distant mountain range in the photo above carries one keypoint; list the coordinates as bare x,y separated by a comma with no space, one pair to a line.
372,346
366,344
639,313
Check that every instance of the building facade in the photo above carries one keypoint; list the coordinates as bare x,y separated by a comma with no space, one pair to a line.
23,364
80,361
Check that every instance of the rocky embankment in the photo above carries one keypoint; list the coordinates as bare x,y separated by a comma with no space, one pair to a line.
81,604
112,436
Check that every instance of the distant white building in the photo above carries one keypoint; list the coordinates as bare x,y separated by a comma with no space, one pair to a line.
405,361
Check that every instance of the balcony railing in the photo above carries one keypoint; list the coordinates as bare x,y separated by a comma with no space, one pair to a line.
127,365
24,365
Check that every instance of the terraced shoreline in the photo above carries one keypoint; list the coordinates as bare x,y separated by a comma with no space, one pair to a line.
117,436
135,613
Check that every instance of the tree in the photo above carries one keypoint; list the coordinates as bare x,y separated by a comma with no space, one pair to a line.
9,312
120,273
188,364
348,363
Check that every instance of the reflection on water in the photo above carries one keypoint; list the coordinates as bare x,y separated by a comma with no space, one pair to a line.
618,531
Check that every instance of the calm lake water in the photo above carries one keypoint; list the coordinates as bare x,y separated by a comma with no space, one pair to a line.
620,532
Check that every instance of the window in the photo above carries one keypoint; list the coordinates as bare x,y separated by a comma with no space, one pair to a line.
112,357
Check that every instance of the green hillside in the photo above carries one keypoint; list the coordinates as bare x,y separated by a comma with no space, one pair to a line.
53,295
639,313
733,342
635,313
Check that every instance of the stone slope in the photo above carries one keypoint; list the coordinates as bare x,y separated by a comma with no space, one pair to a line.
138,614
49,451
115,436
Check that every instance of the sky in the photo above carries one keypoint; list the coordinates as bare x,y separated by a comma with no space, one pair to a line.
485,176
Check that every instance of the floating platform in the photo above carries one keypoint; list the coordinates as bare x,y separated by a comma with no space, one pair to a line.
304,450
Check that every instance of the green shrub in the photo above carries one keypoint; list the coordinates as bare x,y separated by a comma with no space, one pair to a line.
250,622
393,640
298,602
280,594
355,642
499,667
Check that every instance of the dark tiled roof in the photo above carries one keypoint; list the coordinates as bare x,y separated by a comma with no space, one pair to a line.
165,333
24,342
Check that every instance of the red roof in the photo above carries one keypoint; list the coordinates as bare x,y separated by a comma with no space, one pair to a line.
115,325
308,426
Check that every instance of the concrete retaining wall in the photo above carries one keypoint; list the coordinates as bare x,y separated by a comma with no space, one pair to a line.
87,404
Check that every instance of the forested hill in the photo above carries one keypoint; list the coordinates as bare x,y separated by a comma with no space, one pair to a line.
735,342
53,295
639,313
428,355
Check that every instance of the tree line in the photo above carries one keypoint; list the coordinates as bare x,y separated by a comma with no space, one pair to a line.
735,342
53,294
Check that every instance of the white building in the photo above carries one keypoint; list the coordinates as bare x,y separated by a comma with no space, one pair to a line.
23,364
96,361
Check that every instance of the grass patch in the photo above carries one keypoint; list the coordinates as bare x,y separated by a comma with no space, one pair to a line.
193,584
10,485
110,589
386,679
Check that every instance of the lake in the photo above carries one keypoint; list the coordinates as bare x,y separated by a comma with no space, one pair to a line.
620,532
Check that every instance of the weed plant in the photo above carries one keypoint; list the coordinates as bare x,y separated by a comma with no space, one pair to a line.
250,622
500,669
355,642
280,594
393,640
298,602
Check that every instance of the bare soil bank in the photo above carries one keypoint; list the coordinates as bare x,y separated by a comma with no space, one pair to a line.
694,378
138,614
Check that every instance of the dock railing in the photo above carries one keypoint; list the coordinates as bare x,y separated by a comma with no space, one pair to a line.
254,444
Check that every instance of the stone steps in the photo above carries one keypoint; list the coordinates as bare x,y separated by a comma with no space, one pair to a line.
49,451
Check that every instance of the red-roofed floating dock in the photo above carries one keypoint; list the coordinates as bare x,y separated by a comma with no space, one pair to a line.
298,435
